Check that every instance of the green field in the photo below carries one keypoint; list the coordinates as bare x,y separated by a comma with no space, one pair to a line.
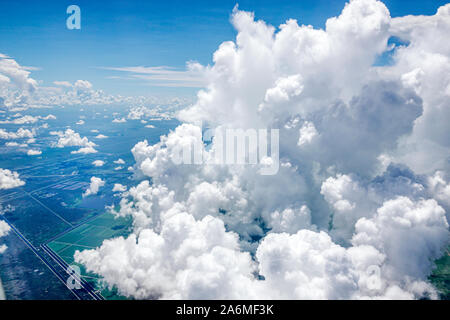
441,276
89,236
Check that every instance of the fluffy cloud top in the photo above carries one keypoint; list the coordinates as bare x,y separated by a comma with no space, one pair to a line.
119,188
94,186
15,144
70,138
84,150
34,152
9,179
119,161
27,119
83,85
4,230
121,120
15,84
157,112
98,163
358,207
20,134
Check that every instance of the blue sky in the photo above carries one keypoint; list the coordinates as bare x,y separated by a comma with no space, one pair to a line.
123,33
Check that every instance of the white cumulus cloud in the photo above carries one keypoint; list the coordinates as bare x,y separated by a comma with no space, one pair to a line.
70,138
98,163
9,179
358,207
119,188
95,185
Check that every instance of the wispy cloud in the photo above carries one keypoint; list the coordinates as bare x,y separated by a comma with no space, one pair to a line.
31,68
161,76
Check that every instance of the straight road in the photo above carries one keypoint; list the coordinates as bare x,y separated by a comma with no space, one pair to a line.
39,255
91,291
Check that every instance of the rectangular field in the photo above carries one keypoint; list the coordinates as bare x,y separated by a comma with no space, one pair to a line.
89,236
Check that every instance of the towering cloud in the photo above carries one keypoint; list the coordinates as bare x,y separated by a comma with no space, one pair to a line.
15,83
358,207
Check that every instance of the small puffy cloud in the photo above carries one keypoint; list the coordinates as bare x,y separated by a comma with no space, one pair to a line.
144,113
94,186
119,188
34,152
137,113
119,120
70,138
9,179
48,117
83,85
4,230
119,161
307,133
84,150
80,122
3,248
11,144
27,119
98,163
101,136
15,144
19,134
